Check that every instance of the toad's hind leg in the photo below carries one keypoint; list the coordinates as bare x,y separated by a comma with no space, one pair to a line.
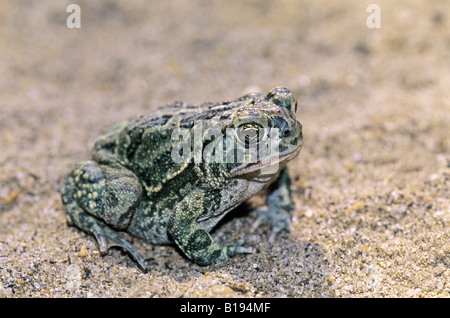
101,200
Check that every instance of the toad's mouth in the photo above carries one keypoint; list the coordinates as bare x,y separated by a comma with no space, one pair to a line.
266,163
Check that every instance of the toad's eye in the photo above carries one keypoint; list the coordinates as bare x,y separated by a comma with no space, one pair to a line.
251,133
286,132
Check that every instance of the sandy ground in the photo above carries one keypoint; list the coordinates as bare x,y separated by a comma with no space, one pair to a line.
371,186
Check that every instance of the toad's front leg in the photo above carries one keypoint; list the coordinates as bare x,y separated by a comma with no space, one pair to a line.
279,206
192,238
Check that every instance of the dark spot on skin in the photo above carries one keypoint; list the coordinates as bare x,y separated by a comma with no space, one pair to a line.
279,122
269,95
209,115
199,240
112,200
188,122
283,148
215,255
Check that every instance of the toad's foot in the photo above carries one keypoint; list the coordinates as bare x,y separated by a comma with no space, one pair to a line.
278,221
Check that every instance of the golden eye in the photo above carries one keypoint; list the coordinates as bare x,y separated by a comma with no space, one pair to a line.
250,133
